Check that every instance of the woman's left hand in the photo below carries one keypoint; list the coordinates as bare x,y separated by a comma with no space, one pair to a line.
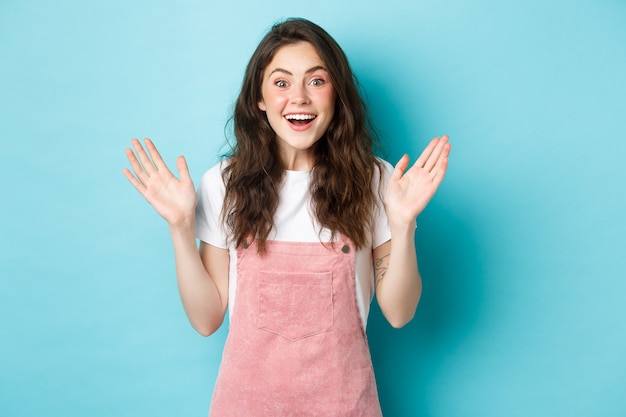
408,192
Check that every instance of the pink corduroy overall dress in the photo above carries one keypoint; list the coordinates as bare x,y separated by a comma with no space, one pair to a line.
296,344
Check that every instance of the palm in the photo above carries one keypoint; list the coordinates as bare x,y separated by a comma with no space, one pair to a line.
174,199
408,192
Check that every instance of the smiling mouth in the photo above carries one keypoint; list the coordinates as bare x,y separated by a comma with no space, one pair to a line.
300,119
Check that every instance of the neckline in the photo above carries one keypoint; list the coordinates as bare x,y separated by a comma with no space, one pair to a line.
297,174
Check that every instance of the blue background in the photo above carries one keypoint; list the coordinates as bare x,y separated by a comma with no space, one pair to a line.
522,250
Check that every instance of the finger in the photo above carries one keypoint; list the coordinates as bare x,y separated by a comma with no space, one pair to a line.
426,153
436,153
441,172
441,167
143,157
139,186
183,169
137,168
400,167
155,155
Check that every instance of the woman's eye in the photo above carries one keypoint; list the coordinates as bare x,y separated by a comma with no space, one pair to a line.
281,83
317,82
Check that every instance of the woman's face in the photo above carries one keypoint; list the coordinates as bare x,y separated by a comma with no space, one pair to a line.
299,101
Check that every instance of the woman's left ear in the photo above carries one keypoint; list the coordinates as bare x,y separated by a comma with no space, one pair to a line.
262,105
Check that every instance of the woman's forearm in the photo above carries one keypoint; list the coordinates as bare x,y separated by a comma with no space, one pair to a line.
399,285
202,283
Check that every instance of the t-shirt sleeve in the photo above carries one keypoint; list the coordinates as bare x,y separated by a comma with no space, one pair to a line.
209,227
381,232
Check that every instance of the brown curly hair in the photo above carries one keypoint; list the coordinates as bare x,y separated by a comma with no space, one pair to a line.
341,192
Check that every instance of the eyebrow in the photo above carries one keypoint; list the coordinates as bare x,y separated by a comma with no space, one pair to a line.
309,71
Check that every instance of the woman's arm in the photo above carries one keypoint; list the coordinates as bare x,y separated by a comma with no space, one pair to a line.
398,281
202,274
202,277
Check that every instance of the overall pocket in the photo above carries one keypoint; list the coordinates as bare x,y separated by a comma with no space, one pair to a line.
295,305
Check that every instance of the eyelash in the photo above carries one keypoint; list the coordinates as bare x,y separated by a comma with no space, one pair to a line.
316,82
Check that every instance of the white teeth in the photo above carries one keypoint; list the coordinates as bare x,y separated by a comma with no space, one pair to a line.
300,117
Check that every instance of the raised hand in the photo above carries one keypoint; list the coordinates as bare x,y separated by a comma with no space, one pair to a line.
174,199
408,192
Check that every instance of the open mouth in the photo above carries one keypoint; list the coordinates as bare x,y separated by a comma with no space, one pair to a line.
300,119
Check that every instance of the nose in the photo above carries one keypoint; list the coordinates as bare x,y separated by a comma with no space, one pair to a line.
299,95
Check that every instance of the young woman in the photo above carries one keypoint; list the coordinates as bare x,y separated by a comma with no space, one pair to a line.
297,228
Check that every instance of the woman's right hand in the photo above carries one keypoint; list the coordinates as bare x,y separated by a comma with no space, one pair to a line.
175,200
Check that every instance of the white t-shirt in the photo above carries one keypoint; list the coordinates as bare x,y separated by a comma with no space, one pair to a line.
293,222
